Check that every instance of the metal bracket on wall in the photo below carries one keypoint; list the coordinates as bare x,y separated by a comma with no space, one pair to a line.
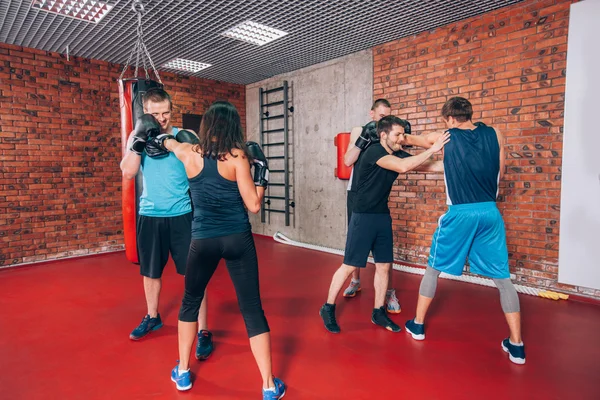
274,148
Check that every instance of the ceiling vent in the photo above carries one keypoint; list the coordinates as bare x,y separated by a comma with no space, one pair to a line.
181,64
86,10
254,33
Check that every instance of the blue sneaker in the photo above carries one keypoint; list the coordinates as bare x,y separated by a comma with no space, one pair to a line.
417,331
204,347
182,380
516,354
277,392
145,327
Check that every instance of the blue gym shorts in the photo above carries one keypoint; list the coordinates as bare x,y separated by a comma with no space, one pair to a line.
369,233
475,230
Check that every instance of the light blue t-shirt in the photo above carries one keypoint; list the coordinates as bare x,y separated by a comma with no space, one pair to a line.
165,192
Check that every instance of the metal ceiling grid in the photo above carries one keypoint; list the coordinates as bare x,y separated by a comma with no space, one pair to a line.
318,30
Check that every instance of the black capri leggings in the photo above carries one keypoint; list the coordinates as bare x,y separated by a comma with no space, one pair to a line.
240,256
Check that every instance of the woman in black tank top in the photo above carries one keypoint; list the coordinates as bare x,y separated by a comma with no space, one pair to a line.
222,190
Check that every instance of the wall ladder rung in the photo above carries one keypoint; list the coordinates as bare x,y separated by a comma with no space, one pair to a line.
278,89
273,117
275,103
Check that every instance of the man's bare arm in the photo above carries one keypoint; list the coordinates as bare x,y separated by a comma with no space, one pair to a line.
352,152
402,165
424,140
130,164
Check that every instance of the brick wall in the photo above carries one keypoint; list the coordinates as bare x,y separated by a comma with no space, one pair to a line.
60,182
510,64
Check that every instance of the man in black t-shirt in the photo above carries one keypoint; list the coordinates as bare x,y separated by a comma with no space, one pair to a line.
361,138
370,227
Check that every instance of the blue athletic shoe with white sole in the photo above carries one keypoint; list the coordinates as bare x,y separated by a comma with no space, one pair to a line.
417,331
275,393
182,380
516,353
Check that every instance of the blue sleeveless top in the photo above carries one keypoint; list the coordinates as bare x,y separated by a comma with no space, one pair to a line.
472,165
165,186
218,206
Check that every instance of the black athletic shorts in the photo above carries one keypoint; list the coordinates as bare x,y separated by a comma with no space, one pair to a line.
366,233
350,203
157,236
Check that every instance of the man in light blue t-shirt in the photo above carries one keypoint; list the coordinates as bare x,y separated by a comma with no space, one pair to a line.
164,222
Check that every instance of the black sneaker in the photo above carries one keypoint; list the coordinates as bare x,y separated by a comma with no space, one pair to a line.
205,346
379,317
327,312
145,327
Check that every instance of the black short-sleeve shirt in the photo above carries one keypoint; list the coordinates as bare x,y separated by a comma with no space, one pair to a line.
373,183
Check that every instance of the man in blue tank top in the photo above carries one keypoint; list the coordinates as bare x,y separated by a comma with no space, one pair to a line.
164,215
473,226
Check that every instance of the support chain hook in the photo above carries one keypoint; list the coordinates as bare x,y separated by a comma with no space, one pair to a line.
140,48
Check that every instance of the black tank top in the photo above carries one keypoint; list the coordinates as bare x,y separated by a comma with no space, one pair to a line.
218,206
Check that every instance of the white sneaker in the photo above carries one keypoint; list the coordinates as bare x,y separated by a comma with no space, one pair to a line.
393,306
353,289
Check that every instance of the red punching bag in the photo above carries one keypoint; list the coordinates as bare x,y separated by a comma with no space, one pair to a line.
341,142
130,100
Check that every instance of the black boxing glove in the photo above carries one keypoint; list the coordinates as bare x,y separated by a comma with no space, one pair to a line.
367,136
185,136
145,126
407,128
479,123
155,147
261,166
407,131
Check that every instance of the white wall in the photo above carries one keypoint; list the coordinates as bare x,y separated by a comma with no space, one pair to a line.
579,260
328,98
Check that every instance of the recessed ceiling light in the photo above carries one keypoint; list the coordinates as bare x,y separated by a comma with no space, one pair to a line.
186,65
85,10
255,33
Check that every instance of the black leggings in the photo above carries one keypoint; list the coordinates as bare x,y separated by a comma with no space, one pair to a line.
240,256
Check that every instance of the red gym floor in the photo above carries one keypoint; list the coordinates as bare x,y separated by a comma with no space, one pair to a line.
64,330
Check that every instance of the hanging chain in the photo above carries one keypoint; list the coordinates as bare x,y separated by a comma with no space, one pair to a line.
139,48
138,7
